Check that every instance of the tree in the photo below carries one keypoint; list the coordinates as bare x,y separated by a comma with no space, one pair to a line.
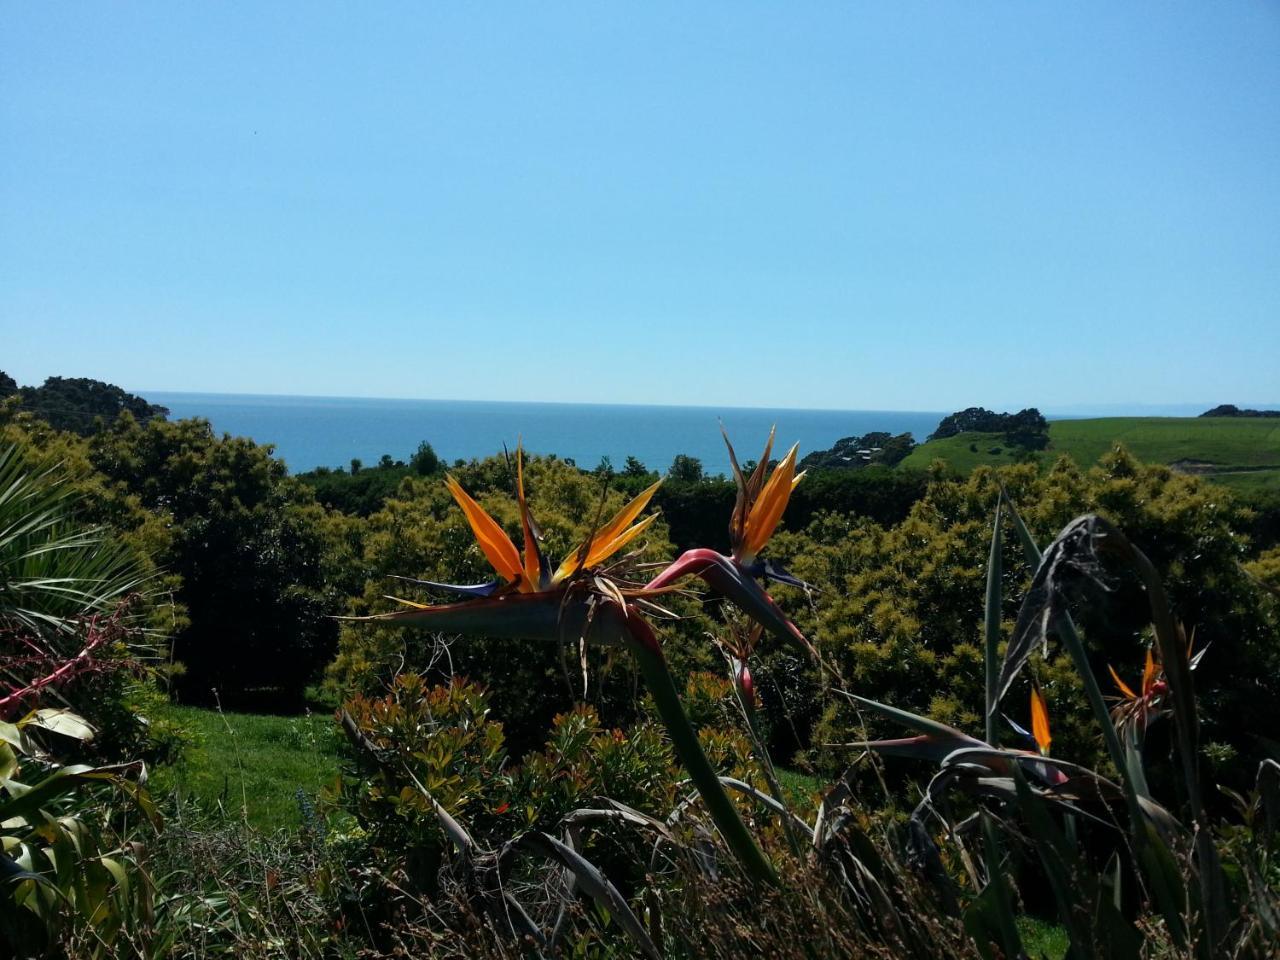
76,403
1026,428
257,556
853,453
424,460
634,468
1231,410
8,386
685,469
356,465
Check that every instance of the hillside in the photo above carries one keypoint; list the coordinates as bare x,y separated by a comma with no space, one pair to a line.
1241,452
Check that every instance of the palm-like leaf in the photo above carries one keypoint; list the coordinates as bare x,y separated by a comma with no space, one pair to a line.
54,570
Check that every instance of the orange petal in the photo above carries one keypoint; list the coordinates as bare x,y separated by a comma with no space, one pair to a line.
1124,687
493,540
602,543
1148,673
737,519
756,479
1040,721
767,511
600,551
532,552
626,515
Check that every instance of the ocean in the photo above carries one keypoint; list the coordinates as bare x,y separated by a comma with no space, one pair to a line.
310,432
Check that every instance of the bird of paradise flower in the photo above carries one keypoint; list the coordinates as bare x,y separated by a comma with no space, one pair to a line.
584,599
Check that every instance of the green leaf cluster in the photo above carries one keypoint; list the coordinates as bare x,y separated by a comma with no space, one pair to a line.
899,609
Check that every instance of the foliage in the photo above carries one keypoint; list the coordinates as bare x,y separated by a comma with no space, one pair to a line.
1263,522
695,512
855,453
440,779
440,738
81,405
227,889
685,469
364,490
69,873
635,469
1026,428
478,832
74,611
54,568
1231,410
1266,569
261,566
1208,909
900,613
97,501
445,820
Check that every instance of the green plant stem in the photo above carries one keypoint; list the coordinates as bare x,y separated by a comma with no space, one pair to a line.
653,665
992,625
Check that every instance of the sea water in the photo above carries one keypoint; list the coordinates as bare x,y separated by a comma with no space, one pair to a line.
309,432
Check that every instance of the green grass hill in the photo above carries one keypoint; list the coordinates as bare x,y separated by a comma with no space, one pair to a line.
1241,452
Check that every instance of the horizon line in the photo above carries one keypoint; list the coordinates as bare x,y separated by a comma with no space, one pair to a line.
1063,409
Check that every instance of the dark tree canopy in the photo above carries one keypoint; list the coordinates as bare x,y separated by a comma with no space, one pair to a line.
363,490
75,403
1026,428
634,468
249,547
424,460
685,468
8,385
853,453
1231,410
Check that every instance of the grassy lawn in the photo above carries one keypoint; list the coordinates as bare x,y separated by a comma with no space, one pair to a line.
1252,445
1249,481
252,765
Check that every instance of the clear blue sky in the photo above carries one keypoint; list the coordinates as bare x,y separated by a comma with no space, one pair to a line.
893,206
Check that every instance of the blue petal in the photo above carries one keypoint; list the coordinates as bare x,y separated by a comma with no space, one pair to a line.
478,590
1021,731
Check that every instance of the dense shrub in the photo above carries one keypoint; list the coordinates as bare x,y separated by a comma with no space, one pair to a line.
262,568
437,744
900,608
697,513
363,491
